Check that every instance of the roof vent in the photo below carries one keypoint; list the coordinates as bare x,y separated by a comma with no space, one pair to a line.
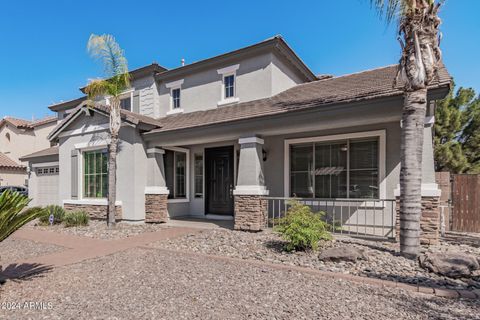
324,76
182,61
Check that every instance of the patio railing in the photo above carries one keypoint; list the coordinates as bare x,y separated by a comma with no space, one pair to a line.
365,217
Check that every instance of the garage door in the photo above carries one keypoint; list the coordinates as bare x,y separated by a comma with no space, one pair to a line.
47,186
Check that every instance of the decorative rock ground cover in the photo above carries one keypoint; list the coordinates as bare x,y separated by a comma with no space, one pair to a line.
382,261
18,249
153,284
98,229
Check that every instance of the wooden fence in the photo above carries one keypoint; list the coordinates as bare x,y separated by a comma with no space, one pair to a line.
466,203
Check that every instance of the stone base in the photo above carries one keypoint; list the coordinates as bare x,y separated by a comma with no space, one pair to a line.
156,208
250,212
429,223
95,211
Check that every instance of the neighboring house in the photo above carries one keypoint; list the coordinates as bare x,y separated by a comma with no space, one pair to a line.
19,137
213,138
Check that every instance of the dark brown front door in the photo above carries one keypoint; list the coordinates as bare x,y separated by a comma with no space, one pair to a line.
219,180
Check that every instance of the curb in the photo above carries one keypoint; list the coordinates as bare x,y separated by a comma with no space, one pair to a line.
438,292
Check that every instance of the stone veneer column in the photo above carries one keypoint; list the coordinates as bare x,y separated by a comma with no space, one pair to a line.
429,222
156,192
250,204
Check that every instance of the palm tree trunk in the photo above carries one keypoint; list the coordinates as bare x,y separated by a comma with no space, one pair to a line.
112,180
115,124
413,119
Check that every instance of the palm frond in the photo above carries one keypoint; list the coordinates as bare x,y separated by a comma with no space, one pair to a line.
99,88
391,9
105,47
12,213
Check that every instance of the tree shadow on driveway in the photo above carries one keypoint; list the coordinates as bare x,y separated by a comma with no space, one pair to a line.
23,271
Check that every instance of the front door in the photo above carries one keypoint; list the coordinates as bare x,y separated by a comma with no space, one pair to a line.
219,180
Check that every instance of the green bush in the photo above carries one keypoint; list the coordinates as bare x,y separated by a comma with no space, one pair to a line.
302,228
76,218
58,214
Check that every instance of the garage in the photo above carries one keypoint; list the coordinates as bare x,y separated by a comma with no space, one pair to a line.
46,189
43,177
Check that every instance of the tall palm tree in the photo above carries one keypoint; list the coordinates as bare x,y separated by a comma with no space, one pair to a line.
117,80
418,33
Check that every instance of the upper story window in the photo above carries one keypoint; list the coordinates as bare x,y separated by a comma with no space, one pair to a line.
229,83
126,103
229,94
176,98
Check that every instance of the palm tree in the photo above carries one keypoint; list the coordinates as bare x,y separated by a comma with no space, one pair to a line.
12,213
418,29
117,80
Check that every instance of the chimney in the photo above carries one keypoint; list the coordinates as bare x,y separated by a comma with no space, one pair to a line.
182,62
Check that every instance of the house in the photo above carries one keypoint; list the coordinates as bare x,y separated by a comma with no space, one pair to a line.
19,137
219,137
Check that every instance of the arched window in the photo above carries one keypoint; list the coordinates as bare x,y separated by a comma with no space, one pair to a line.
7,135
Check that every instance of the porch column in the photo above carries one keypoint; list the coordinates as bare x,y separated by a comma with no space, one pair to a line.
430,220
156,191
250,204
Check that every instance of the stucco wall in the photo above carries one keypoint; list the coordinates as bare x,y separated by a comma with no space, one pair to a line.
12,177
23,142
257,77
131,166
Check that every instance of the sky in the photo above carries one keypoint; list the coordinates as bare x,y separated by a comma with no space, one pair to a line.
43,43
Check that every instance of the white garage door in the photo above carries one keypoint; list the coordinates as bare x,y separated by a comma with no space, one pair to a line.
47,186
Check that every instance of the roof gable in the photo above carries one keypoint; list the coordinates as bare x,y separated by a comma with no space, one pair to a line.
137,120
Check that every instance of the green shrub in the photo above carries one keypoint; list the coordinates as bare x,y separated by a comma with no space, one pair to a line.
76,218
302,228
58,214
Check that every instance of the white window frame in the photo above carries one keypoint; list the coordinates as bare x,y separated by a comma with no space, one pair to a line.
80,170
380,134
202,153
187,175
172,86
225,72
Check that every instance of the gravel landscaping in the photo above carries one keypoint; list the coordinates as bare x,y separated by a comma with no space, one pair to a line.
98,229
382,258
12,250
154,284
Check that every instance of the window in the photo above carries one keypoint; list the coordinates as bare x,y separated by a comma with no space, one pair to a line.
47,171
7,136
95,174
126,103
340,169
176,98
176,174
229,83
198,166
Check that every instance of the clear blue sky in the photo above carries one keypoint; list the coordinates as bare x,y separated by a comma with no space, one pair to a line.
44,60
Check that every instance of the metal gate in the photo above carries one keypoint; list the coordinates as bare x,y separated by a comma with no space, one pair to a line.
466,203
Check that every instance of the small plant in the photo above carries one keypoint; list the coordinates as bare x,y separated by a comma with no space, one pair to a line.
58,215
75,219
302,228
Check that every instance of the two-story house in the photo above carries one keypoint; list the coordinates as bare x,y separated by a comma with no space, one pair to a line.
217,138
19,137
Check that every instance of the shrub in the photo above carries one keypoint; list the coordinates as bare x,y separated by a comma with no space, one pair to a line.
58,215
76,218
302,228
